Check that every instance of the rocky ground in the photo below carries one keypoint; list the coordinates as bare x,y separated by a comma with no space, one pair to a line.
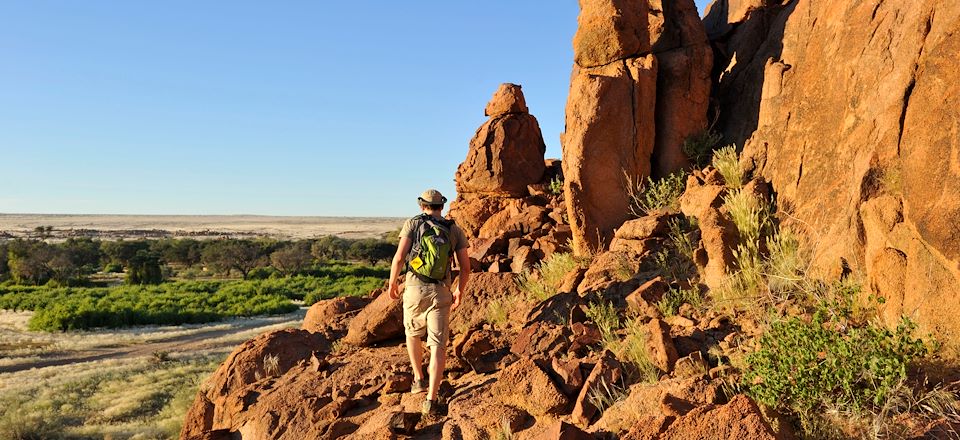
609,305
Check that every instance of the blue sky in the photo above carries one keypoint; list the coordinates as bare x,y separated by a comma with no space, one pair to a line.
275,108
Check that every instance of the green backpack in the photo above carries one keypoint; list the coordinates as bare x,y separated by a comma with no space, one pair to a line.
431,251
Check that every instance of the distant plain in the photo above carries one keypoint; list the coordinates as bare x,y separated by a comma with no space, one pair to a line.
112,227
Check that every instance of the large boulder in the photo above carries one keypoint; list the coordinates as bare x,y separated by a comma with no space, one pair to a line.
483,289
506,153
526,386
222,398
610,30
381,320
740,419
330,315
828,147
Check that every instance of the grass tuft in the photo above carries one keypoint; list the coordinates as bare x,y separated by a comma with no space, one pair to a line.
549,276
725,160
670,304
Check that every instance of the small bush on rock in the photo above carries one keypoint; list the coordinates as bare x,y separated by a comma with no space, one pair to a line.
651,195
670,304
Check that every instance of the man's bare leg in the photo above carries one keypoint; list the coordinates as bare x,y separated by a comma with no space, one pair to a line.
415,350
438,360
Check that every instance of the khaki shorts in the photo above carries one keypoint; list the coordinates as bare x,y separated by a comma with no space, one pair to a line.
426,312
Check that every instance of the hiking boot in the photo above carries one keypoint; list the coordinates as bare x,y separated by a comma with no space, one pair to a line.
419,386
430,408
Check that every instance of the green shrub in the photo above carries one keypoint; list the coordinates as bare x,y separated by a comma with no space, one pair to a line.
700,147
549,277
805,367
113,268
556,186
652,195
725,160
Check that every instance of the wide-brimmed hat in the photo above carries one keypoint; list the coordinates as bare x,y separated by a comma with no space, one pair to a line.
432,197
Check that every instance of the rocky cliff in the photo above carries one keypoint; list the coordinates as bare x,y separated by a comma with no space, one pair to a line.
849,108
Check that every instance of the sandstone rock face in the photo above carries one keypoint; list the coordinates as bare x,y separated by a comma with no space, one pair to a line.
844,102
525,385
739,419
329,314
506,153
640,86
685,60
607,144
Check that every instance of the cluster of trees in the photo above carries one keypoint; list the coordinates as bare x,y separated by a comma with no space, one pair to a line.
37,262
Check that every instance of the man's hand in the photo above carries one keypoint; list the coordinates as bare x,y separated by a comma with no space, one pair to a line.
456,299
393,290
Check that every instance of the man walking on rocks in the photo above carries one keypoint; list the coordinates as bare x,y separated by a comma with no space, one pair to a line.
427,244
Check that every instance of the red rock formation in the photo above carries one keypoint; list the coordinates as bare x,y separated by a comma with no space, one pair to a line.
855,110
506,154
639,87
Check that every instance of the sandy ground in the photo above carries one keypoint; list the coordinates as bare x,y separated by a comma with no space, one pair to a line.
198,226
24,353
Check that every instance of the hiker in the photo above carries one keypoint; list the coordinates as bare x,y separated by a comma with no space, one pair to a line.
427,244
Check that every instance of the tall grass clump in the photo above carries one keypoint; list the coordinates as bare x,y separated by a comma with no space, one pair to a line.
631,347
671,302
675,260
604,315
651,195
545,280
633,350
725,160
498,311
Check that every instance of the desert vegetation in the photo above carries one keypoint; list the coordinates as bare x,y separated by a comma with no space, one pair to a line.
73,285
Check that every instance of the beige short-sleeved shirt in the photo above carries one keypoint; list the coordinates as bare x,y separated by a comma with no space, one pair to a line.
458,240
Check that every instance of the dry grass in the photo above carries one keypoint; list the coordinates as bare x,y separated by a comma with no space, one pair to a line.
119,399
725,160
549,275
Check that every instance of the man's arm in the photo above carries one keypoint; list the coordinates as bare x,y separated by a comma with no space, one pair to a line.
402,249
463,261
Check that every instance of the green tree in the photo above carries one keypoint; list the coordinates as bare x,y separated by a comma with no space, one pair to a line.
27,260
4,267
63,269
240,255
185,251
372,250
330,247
291,259
144,268
122,251
85,253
